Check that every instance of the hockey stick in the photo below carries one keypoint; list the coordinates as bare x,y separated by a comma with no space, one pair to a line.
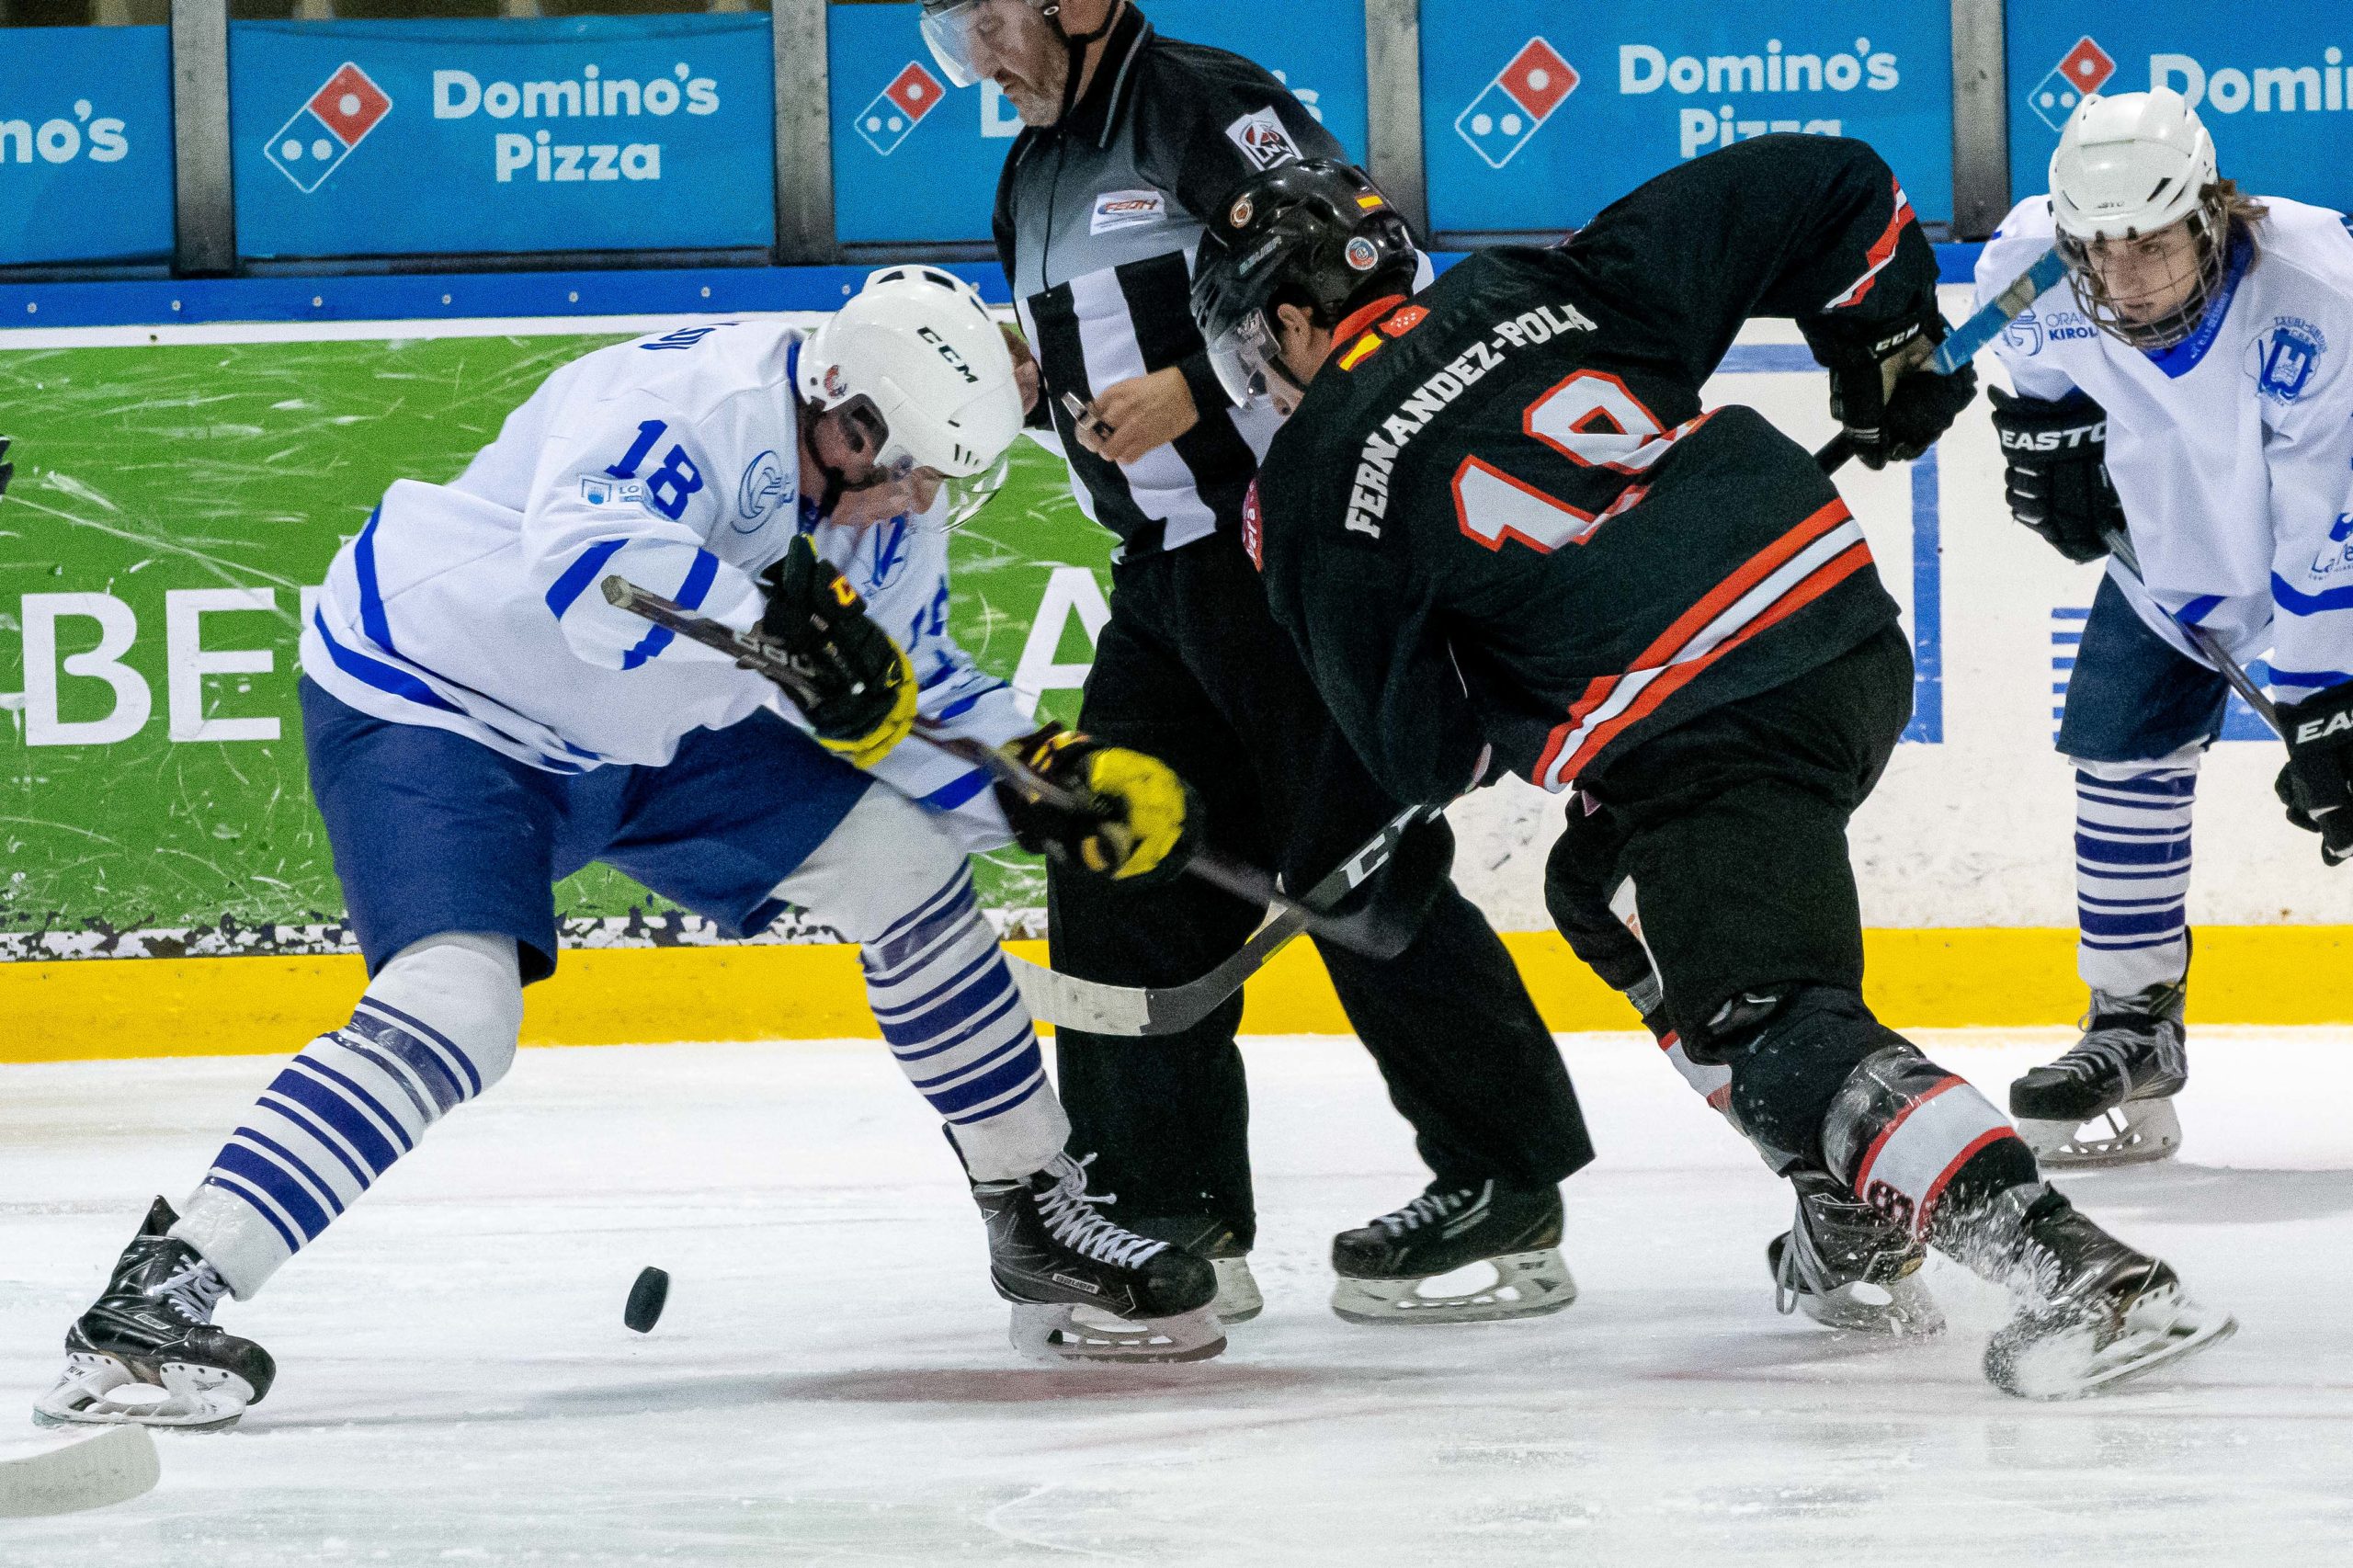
114,1466
1244,882
1962,344
1143,1011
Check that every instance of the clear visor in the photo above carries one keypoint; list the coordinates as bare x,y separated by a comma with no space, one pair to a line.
967,495
911,487
962,36
1243,356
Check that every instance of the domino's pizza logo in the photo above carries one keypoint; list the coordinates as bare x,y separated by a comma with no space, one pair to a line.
328,129
1508,112
2081,71
898,108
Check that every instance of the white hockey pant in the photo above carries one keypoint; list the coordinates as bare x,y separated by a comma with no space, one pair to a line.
2132,869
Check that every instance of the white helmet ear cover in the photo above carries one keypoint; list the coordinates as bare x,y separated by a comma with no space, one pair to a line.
2130,164
922,346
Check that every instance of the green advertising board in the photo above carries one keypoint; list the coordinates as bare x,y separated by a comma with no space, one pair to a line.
172,501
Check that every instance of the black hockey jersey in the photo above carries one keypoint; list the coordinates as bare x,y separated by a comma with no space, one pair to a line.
1501,520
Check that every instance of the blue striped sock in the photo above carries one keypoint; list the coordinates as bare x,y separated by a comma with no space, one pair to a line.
2132,873
954,1020
334,1120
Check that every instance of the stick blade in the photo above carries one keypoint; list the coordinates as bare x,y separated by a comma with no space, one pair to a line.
117,1465
1070,1003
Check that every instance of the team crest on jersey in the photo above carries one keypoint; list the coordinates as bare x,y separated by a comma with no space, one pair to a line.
1253,538
1262,139
2283,356
759,492
2024,333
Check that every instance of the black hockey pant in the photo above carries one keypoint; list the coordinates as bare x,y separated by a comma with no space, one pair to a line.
1192,668
1732,829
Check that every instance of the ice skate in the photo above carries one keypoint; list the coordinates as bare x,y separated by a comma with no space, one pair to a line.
1085,1290
2099,1313
1846,1267
147,1350
1238,1300
2109,1100
1386,1267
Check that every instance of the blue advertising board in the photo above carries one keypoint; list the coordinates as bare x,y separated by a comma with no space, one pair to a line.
1536,114
397,138
917,160
2273,83
85,145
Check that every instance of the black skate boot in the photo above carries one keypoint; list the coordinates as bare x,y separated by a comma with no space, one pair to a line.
147,1352
1846,1267
1205,1235
2122,1075
1383,1265
1054,1257
2099,1313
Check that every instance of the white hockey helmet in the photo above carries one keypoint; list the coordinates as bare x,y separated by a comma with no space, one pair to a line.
2130,164
2128,169
919,346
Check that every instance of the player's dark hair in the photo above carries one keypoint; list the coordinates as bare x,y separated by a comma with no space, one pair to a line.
2240,213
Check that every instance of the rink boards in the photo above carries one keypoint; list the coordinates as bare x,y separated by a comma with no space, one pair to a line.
175,474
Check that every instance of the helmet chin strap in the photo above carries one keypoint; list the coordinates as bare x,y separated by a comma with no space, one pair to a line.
1075,44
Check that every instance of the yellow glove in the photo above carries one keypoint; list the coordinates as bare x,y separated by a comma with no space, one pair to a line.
855,684
1138,821
867,749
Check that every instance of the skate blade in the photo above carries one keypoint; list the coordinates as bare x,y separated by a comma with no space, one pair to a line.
2134,1133
1904,1309
1059,1333
100,1391
1237,1299
2160,1329
1527,1285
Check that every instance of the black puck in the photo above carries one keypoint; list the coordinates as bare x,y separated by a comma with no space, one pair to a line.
645,1299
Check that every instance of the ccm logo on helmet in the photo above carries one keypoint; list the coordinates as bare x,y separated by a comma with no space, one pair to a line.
2053,440
947,352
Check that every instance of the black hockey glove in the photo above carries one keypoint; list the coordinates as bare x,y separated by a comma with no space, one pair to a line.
2318,784
1138,821
2055,458
859,689
1890,407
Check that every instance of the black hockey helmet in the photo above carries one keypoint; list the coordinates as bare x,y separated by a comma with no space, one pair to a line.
1316,234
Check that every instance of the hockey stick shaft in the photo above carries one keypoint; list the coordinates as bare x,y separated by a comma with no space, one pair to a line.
1962,344
1242,880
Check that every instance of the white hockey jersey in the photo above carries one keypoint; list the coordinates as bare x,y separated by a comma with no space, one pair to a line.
673,460
2232,451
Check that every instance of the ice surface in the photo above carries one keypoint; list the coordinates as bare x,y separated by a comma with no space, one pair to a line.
831,1382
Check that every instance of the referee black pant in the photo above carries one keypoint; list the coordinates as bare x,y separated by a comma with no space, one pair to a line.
1192,668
